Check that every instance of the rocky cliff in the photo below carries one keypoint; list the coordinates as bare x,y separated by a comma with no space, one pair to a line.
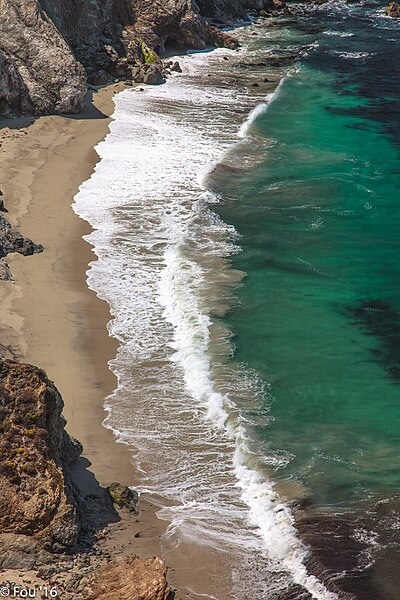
37,497
49,49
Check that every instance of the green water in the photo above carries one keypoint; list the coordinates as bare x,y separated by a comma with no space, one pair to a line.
319,311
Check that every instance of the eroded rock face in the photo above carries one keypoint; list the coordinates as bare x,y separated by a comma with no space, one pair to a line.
53,80
37,497
131,578
14,95
50,48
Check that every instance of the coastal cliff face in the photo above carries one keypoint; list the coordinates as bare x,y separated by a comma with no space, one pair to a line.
50,49
49,77
37,496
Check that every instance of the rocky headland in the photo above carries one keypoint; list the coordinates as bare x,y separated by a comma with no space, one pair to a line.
51,51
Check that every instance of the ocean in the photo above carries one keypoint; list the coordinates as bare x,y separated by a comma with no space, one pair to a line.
245,221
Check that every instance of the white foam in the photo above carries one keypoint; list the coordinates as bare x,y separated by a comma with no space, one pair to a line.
338,33
258,110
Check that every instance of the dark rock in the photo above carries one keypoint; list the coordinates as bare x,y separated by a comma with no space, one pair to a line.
12,241
99,78
153,76
5,271
123,496
176,67
275,7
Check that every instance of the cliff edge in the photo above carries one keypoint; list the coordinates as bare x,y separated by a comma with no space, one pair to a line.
37,496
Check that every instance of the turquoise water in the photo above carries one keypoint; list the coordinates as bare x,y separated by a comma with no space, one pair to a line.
318,316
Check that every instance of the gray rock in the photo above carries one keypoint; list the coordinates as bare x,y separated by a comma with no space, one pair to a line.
99,78
44,45
13,241
41,73
153,76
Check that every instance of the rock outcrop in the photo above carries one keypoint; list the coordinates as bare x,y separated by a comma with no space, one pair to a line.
50,530
13,241
123,496
37,496
393,10
131,578
50,49
51,79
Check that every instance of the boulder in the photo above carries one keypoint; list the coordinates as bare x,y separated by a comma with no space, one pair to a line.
123,496
153,76
176,67
393,10
130,578
12,240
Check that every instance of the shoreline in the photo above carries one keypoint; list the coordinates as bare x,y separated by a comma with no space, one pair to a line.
50,318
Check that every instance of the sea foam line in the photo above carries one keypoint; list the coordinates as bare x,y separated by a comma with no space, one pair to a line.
273,518
260,109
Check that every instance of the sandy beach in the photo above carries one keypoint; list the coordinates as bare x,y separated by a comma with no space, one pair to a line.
57,323
49,317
